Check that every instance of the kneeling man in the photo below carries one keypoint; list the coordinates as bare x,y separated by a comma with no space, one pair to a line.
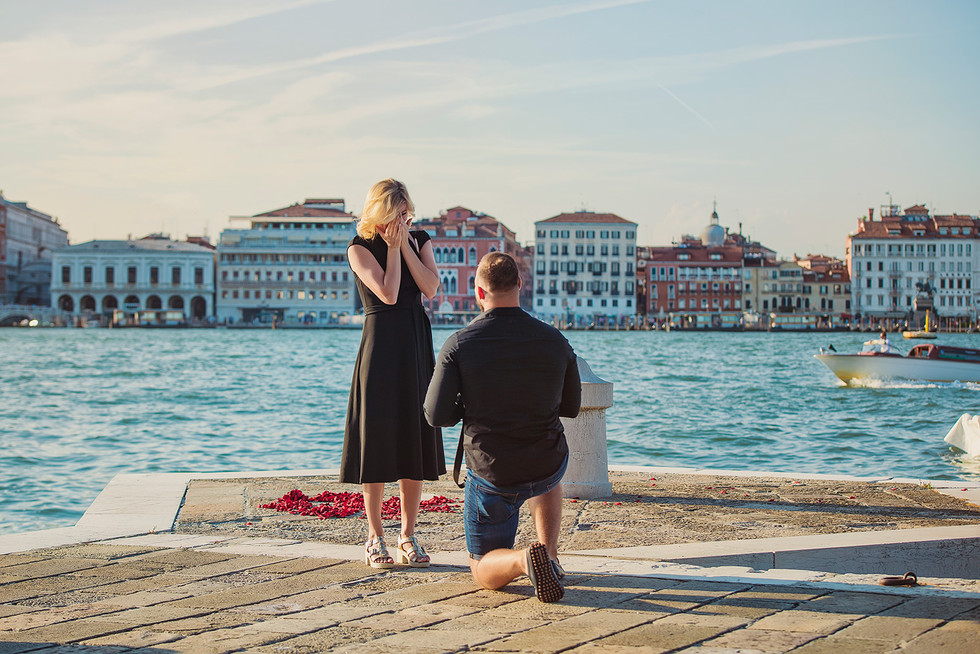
509,377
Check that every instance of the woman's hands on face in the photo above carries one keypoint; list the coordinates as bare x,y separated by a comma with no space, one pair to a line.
394,233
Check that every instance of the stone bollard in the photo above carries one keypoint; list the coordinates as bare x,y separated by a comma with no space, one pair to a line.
587,475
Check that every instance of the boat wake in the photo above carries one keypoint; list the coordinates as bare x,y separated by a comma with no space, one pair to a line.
913,384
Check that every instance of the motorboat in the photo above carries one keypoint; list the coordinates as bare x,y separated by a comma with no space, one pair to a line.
928,362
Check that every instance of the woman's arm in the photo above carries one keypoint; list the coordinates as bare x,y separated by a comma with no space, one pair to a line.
383,283
422,265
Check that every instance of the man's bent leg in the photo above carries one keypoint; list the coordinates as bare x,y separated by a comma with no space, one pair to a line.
546,512
498,568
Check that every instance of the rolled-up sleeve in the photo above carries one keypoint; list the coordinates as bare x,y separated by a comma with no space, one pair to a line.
443,407
571,392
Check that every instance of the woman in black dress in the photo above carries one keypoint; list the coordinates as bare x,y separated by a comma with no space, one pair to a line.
387,437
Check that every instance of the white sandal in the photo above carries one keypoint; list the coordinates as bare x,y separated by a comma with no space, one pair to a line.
415,555
376,554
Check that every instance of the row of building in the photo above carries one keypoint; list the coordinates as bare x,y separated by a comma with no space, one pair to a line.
583,269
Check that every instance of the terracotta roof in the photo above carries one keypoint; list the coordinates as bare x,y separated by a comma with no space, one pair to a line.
302,210
897,227
696,255
586,217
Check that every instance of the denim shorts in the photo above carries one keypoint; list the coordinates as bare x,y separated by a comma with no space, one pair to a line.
490,513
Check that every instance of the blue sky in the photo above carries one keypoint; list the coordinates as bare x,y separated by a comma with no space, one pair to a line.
127,117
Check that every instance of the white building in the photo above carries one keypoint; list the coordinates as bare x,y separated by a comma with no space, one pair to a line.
136,281
27,239
585,269
290,265
891,259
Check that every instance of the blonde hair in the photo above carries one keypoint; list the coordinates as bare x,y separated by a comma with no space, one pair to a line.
382,206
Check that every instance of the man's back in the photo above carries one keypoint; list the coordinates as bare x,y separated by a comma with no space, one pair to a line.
515,375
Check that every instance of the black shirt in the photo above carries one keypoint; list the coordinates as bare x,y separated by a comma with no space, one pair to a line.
509,377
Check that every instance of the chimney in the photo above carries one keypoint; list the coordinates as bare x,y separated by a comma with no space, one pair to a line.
871,214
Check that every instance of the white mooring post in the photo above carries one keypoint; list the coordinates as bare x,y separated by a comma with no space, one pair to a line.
587,475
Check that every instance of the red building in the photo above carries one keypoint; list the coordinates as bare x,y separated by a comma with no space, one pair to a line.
699,275
460,238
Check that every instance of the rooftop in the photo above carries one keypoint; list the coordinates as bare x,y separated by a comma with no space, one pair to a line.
586,217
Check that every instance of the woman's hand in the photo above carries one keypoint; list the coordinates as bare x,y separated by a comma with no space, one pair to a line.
393,233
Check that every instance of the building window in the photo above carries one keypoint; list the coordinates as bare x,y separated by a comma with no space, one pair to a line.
66,274
131,275
155,275
110,275
175,276
199,275
87,274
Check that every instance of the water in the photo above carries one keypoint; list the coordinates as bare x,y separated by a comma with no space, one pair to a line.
79,406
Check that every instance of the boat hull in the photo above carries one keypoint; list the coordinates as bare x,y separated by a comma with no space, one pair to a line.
848,367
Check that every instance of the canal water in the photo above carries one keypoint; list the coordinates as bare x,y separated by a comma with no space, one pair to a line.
79,406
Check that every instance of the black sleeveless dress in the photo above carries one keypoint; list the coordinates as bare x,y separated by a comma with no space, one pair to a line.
386,437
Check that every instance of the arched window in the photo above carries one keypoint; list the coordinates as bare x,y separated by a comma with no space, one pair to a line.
452,286
175,302
153,302
438,255
472,283
109,302
461,255
472,256
65,303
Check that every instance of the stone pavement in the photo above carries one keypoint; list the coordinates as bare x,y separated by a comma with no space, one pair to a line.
168,593
218,584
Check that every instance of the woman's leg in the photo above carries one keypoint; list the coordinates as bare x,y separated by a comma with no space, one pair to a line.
411,492
373,497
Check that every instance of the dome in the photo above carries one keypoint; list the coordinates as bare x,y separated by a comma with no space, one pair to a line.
714,234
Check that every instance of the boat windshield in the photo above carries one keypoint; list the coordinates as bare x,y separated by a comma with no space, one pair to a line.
878,346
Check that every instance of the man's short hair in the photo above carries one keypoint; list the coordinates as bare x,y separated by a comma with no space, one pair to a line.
498,272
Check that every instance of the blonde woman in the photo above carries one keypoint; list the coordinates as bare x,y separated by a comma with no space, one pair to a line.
387,438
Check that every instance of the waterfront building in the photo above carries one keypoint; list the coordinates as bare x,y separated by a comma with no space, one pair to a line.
288,266
585,269
28,238
150,280
826,286
704,281
460,238
905,255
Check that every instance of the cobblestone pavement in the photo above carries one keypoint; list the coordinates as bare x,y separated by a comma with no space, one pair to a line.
145,594
232,576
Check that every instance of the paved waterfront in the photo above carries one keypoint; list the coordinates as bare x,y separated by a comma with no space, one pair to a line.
223,587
